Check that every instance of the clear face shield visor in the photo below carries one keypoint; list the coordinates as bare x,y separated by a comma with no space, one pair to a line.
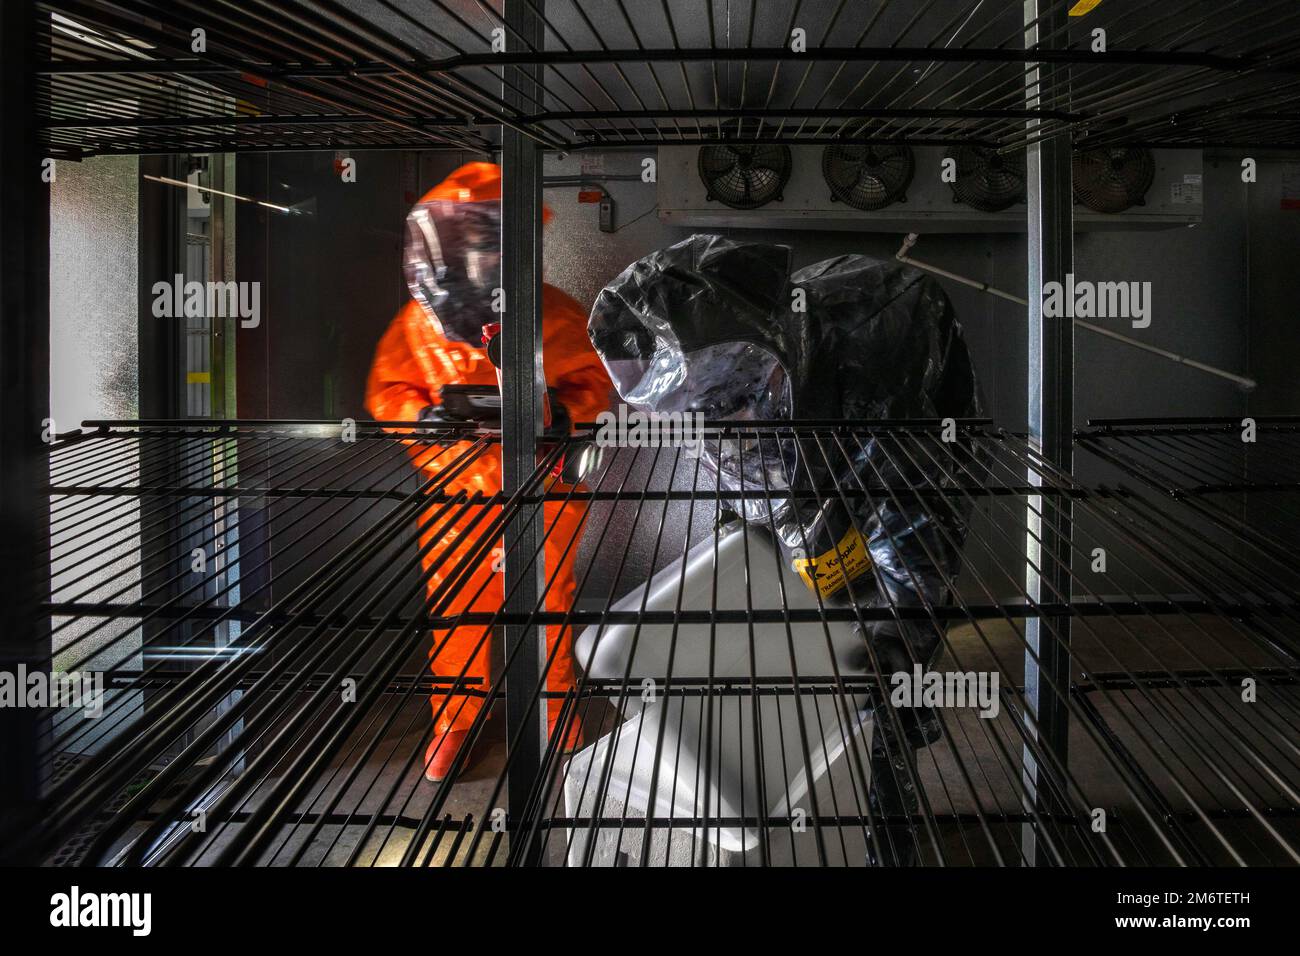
452,263
730,381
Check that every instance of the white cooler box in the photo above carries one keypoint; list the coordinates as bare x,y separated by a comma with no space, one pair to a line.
720,777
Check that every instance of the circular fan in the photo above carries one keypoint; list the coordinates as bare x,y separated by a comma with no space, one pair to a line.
1113,178
988,180
868,177
744,177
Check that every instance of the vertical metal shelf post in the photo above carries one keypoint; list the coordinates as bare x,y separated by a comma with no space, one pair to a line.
25,637
1050,247
522,385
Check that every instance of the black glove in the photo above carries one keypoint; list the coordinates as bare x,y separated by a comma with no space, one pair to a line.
437,415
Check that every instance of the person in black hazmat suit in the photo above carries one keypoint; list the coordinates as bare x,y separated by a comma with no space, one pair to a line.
721,327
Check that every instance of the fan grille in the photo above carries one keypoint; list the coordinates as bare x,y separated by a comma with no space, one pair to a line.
987,180
744,177
1112,179
868,177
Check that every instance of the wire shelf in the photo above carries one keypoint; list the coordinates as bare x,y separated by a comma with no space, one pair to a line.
122,76
272,706
1213,468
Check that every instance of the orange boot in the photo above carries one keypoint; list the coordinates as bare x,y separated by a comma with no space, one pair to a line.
441,753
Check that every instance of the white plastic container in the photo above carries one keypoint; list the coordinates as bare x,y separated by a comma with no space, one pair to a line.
721,778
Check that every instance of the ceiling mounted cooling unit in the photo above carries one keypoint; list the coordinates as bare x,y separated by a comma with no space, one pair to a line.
897,188
744,177
868,177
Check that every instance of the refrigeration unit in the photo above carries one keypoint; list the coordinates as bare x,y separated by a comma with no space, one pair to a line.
897,188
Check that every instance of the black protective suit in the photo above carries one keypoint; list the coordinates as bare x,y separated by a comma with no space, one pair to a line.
722,327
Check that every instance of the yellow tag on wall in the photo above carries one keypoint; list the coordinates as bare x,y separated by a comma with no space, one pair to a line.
1082,7
829,572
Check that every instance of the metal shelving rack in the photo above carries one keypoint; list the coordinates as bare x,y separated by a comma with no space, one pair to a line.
1201,779
123,77
1162,641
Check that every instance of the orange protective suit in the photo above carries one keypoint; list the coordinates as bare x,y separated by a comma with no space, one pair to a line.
413,361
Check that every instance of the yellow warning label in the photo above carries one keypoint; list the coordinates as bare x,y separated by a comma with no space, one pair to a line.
841,564
1082,7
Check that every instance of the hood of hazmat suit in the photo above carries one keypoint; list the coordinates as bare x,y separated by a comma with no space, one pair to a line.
452,253
724,328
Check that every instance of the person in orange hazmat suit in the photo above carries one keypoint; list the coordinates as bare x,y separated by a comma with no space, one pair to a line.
452,266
